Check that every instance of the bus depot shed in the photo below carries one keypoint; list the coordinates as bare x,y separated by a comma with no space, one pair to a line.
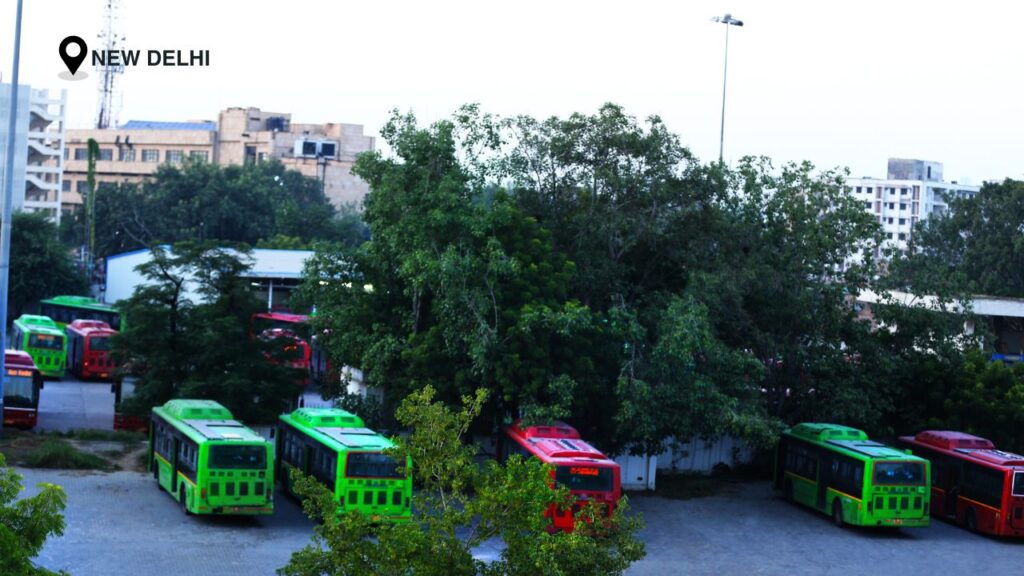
273,276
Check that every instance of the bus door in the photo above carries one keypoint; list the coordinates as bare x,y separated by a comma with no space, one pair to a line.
175,449
954,479
828,464
307,458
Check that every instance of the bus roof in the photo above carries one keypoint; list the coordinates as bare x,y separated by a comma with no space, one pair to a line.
91,328
282,317
203,420
79,302
337,429
19,358
965,446
557,443
38,324
849,441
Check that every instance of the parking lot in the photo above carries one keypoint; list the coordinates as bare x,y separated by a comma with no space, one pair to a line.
120,523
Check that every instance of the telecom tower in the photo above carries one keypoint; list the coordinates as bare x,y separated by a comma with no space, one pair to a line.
110,39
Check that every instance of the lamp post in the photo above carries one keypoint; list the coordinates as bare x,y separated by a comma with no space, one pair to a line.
8,201
728,20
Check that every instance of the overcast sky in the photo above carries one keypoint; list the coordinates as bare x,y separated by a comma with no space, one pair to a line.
839,84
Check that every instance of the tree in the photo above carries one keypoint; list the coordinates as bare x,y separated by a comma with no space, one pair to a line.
40,266
200,348
202,201
458,507
977,245
25,524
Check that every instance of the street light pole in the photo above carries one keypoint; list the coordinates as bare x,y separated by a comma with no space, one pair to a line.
728,20
5,228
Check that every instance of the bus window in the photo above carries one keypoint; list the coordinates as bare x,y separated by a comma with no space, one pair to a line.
19,389
899,473
1018,484
371,465
244,457
46,341
100,344
587,478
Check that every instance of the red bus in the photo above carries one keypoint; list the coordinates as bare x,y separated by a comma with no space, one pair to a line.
584,470
22,384
89,343
973,484
292,330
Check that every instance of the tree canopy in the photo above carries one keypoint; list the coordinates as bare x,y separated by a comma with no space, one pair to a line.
26,523
40,266
200,347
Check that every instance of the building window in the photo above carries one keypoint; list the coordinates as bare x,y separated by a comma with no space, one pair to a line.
150,155
81,153
891,206
126,154
903,191
889,220
81,186
67,152
250,155
174,156
890,235
858,189
867,205
903,206
892,191
903,221
65,185
903,236
106,154
201,155
262,157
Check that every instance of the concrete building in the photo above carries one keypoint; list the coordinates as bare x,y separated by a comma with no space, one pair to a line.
39,148
912,191
133,151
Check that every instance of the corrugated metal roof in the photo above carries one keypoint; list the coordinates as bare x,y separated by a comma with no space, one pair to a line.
154,125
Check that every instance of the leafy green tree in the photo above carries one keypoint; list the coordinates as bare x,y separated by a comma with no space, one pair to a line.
202,201
25,524
977,245
201,349
460,506
40,266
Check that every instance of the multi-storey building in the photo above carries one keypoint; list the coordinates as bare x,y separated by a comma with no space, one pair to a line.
39,148
912,191
133,151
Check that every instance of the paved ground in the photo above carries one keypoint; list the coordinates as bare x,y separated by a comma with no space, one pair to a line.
71,404
121,524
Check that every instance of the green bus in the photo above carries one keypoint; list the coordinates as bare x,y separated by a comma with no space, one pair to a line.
336,448
44,342
839,471
208,462
65,309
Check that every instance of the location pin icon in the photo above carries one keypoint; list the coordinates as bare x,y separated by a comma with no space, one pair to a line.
72,62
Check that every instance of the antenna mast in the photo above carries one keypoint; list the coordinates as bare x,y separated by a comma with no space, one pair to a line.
110,39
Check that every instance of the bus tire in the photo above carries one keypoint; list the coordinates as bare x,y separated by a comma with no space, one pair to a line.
156,473
971,520
837,513
184,503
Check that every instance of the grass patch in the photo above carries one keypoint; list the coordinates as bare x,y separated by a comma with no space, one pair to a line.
56,453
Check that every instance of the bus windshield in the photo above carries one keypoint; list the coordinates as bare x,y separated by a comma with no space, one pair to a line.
371,465
588,478
899,473
238,457
45,341
19,390
100,343
1018,484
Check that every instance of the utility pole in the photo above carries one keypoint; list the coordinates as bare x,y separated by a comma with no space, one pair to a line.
5,228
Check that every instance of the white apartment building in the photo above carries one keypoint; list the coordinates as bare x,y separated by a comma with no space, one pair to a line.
912,191
39,148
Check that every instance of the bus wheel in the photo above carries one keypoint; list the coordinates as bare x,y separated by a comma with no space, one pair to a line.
972,520
837,513
156,472
184,503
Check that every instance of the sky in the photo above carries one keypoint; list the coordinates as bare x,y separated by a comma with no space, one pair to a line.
836,83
